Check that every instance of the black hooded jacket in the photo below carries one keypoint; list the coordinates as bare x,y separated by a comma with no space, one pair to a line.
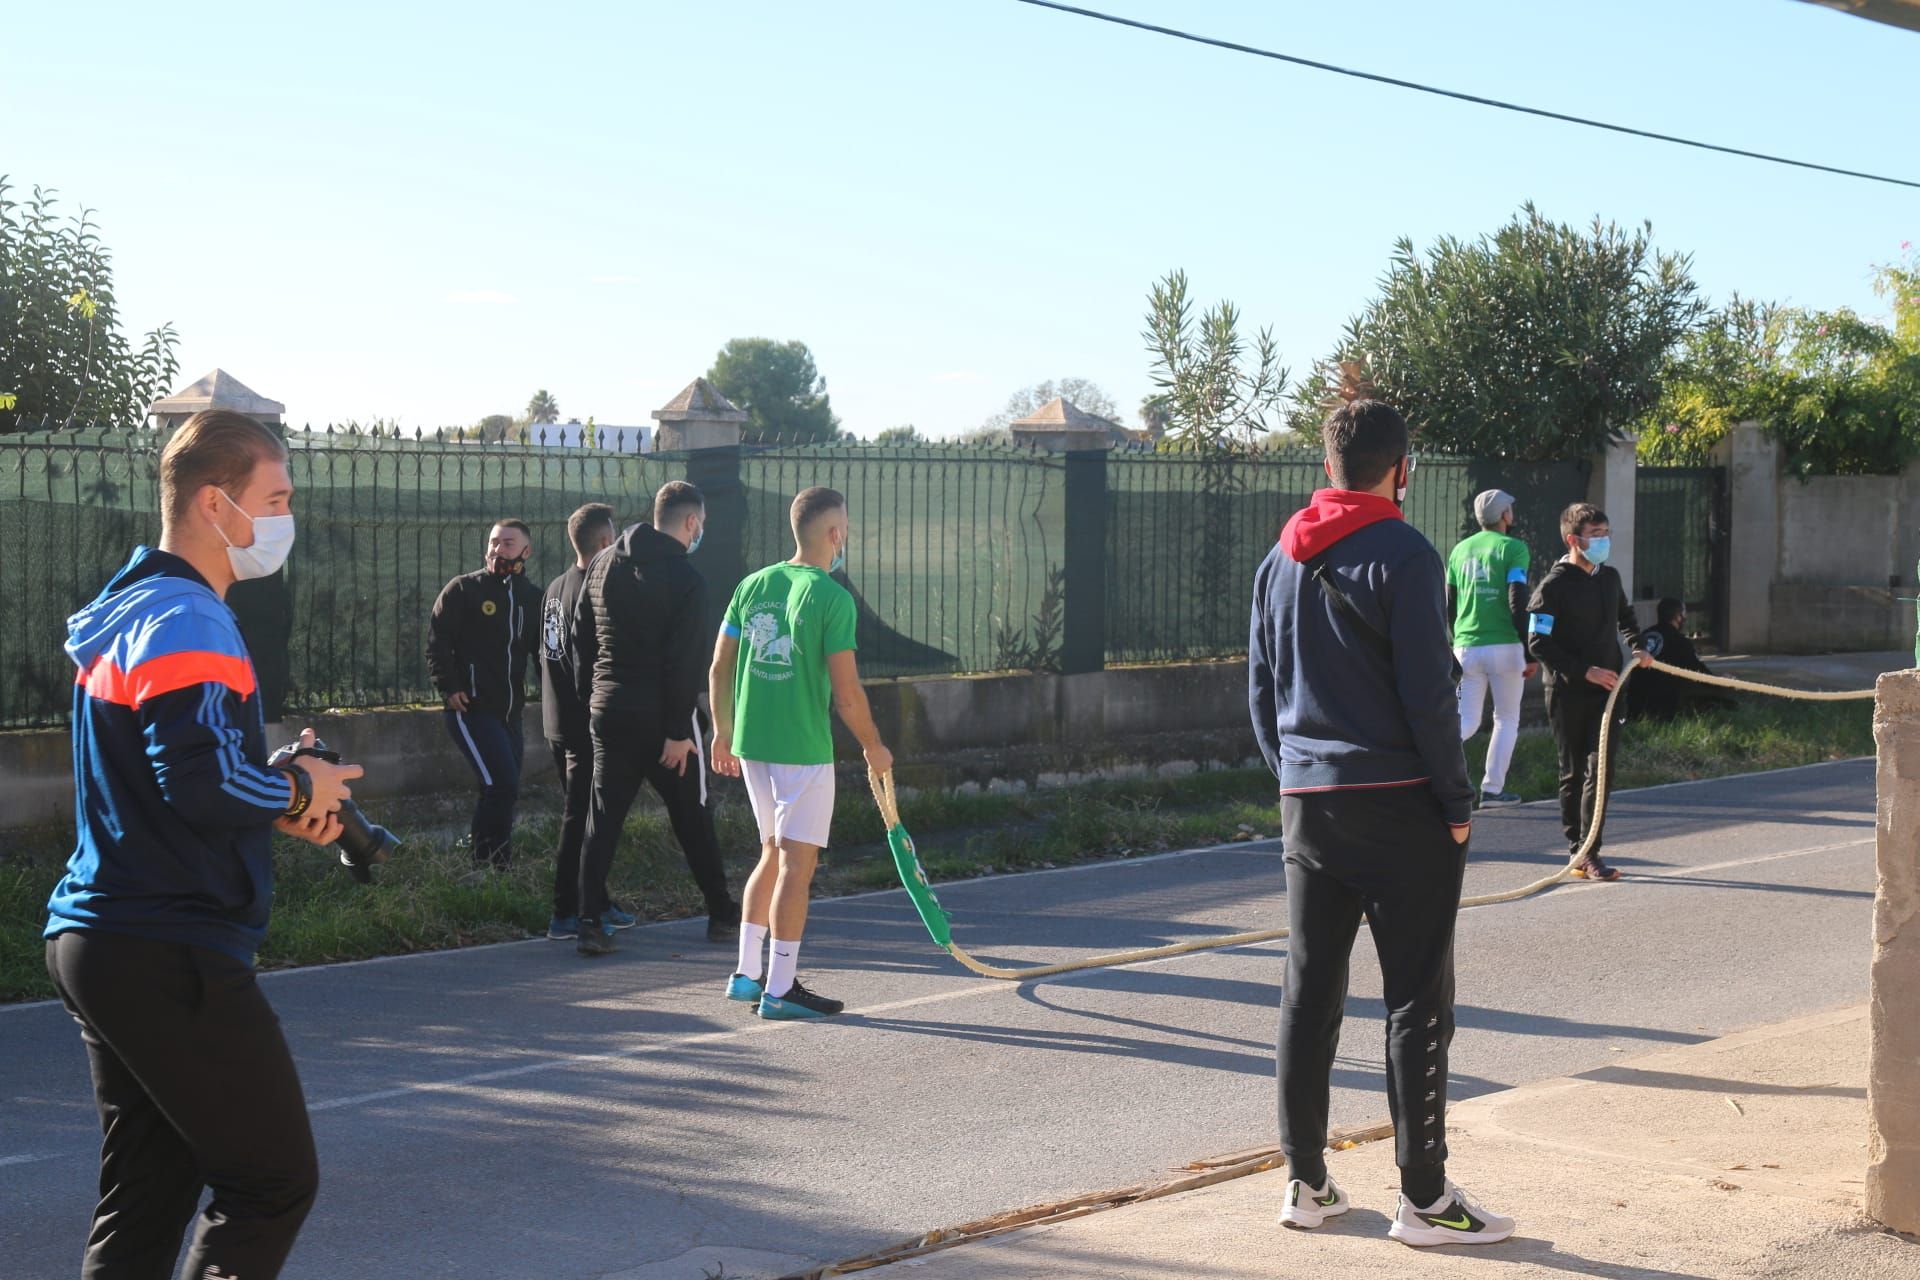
640,635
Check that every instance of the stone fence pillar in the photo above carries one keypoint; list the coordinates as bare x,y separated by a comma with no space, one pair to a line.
1612,488
1753,477
1893,1067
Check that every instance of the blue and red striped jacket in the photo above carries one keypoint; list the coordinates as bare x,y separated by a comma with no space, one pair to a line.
172,796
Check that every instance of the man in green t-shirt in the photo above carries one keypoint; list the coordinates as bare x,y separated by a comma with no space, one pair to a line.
785,656
1487,599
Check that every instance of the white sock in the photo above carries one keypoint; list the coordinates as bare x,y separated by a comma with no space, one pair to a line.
753,945
785,959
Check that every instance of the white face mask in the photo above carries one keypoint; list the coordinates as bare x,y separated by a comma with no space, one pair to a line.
272,540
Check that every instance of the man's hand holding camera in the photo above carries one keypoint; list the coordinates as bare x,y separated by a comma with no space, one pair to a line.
318,820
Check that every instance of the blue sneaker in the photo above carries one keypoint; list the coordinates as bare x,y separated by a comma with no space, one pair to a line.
744,989
561,928
614,918
796,1004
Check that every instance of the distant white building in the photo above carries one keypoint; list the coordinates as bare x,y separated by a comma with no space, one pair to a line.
613,439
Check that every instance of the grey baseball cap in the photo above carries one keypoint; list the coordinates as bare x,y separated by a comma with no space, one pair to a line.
1488,507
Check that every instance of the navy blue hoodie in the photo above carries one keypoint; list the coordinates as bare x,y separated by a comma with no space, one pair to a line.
1332,710
173,800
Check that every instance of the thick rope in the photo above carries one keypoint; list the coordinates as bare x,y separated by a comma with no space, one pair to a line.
884,795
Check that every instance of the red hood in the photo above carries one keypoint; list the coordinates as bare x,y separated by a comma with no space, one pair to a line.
1331,516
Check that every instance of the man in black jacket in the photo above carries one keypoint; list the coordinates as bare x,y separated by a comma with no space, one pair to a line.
642,641
478,642
1655,695
1352,688
1579,614
563,713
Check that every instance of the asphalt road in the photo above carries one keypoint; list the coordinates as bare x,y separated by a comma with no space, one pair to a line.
516,1111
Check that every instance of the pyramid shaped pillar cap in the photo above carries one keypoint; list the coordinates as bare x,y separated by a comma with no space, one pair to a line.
699,418
216,390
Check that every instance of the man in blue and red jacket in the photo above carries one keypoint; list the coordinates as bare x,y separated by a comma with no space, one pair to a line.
1352,685
152,932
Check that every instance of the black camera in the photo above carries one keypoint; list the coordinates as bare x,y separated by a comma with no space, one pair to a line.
362,843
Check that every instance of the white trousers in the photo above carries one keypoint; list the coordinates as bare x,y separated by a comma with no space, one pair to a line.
1498,667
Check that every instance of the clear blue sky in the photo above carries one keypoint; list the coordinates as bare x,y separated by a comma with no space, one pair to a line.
426,212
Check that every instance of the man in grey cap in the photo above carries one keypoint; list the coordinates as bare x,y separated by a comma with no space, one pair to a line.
1487,600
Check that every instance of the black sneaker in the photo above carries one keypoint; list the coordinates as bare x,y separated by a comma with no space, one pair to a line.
595,938
720,929
796,1004
1489,799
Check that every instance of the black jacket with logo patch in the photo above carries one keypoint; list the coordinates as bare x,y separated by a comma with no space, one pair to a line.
563,713
640,639
480,637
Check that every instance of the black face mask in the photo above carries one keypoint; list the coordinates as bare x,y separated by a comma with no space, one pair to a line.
503,567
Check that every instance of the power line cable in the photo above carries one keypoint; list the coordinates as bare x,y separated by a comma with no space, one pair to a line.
1455,94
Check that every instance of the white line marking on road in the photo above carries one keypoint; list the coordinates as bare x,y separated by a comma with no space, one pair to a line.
7,1160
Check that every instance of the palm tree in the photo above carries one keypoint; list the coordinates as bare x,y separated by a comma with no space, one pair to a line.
543,408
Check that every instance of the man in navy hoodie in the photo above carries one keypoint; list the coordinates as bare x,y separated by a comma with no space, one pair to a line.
151,934
1352,684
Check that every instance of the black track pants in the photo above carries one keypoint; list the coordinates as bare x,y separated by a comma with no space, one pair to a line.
625,755
1576,716
196,1089
574,764
1385,855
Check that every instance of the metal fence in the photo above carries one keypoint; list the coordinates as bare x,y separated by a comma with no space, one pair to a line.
963,559
1680,542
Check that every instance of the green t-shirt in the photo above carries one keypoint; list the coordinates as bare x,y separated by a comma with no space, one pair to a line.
1479,571
789,618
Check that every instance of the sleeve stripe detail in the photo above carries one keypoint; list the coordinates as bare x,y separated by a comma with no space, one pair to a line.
239,779
730,631
108,683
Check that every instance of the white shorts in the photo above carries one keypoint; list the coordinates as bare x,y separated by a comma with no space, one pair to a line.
790,801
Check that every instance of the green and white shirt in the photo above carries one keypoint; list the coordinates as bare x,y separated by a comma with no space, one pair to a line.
789,619
1480,570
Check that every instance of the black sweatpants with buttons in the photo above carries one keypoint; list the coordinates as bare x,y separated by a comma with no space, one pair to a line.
1384,855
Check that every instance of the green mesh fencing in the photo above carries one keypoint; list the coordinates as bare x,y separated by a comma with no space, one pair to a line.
958,556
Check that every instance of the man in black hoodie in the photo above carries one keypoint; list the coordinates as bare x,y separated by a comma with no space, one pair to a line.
563,713
1579,614
478,642
1352,684
642,643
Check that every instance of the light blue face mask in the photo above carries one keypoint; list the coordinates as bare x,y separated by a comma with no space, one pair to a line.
839,560
697,539
1598,549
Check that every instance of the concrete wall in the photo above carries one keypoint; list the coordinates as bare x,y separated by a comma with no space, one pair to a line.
1839,529
978,731
1823,564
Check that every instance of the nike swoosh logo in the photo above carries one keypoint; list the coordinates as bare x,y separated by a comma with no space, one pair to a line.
1329,1201
1465,1223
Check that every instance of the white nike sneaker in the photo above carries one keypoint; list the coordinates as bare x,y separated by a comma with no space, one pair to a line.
1453,1220
1307,1208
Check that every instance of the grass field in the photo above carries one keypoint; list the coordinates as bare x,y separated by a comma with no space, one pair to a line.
419,904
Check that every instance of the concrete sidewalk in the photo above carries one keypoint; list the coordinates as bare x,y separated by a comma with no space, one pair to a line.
1741,1156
